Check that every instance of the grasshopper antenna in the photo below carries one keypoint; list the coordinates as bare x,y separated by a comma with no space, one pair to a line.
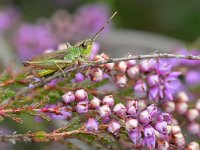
107,22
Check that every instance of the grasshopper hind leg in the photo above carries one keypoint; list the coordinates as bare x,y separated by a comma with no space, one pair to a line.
42,72
61,70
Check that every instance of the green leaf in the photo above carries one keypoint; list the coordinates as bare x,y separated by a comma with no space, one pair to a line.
6,93
21,76
4,76
40,136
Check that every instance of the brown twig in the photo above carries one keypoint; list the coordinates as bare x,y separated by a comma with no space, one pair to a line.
94,64
46,137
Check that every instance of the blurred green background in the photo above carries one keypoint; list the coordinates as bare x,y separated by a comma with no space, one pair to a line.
179,19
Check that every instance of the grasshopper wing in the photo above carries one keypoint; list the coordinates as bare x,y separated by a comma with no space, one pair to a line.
59,54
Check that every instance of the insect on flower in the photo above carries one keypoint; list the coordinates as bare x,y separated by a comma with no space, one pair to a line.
48,63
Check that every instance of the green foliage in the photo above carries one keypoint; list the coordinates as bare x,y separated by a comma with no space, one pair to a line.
6,93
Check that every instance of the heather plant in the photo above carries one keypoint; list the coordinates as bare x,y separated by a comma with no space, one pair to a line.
132,102
120,103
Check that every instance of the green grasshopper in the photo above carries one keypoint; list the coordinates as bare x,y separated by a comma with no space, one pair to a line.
48,63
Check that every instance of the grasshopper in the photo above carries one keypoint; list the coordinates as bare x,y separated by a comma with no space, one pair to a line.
46,64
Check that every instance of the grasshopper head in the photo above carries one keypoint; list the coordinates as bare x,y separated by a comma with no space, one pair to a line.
86,48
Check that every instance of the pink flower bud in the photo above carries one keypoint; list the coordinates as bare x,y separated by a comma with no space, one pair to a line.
131,124
131,107
181,108
95,103
169,106
193,146
120,109
121,80
122,66
81,95
131,103
132,111
133,72
104,111
96,74
192,114
82,107
147,65
131,63
144,117
153,80
182,97
91,125
108,100
175,129
109,66
179,140
141,104
198,105
193,128
68,97
162,145
114,127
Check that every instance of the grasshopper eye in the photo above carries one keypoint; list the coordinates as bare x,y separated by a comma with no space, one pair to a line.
84,45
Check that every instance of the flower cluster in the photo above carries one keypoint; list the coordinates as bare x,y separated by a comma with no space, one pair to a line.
150,78
146,126
181,107
190,68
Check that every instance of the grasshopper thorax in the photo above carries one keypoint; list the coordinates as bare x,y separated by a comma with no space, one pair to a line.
86,47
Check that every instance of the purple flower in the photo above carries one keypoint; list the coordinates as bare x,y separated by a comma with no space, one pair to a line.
161,127
8,16
154,93
97,15
108,100
79,77
144,117
68,97
192,77
95,50
104,111
91,125
149,136
153,80
82,107
165,117
152,109
81,95
63,116
140,88
135,135
150,141
163,67
114,127
31,40
149,131
147,65
120,109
